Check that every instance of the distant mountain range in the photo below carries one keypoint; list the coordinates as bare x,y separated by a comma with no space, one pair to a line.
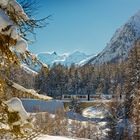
116,50
77,58
121,42
48,59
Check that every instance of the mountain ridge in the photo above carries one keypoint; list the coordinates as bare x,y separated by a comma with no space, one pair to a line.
66,59
121,42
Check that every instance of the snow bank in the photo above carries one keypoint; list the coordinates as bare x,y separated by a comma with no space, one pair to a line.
46,137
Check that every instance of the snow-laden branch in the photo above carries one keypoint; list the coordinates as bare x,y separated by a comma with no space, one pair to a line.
15,105
8,4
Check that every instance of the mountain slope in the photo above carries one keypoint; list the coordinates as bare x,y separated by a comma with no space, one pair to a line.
121,42
64,59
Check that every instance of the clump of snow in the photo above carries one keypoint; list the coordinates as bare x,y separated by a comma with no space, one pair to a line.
4,20
13,32
31,92
15,104
4,3
15,6
21,45
4,126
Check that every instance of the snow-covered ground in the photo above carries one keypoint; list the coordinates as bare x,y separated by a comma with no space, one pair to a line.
92,112
95,119
46,137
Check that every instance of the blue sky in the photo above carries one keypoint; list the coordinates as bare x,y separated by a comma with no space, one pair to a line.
84,25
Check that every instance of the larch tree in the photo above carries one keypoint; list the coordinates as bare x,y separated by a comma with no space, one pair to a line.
16,22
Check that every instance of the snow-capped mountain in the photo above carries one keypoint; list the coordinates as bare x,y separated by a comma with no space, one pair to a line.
48,59
64,59
121,42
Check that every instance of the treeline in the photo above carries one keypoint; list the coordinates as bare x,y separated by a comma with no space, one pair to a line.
106,79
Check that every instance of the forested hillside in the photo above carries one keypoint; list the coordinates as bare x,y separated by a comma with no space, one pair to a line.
121,42
112,79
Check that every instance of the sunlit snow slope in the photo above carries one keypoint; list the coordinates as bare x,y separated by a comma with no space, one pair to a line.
121,42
